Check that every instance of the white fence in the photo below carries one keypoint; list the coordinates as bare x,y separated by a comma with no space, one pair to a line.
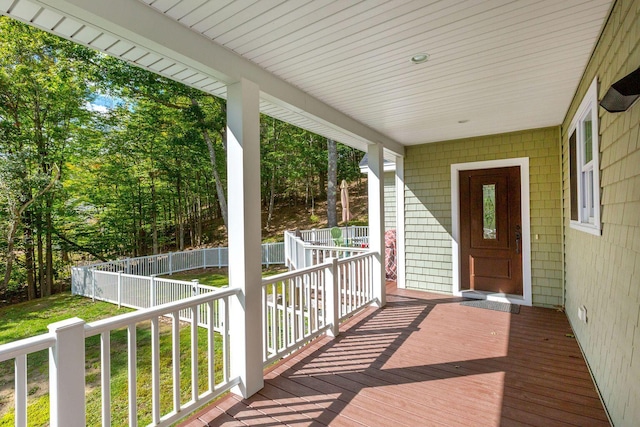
163,264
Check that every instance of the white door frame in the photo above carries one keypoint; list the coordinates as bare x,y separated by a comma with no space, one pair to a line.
523,162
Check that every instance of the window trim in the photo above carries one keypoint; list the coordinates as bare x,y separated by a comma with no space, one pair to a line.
588,107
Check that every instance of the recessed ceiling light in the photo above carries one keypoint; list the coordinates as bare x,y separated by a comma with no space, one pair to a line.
420,58
463,121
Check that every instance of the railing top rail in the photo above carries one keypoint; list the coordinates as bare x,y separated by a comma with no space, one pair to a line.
25,346
124,320
290,274
179,282
337,248
355,257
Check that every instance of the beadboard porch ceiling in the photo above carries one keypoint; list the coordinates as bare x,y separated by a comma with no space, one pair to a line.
342,68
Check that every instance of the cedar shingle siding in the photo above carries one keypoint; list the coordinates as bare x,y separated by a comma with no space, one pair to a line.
603,272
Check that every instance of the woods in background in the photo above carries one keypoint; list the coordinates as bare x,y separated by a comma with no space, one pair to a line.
100,159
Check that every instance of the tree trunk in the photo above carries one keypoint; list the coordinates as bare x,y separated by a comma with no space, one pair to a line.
28,257
332,183
222,200
179,214
154,215
15,220
274,170
48,285
40,249
10,253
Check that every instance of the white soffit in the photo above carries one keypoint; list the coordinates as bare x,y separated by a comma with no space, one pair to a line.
495,65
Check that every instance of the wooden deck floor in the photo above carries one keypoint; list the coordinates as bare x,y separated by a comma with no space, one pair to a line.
425,360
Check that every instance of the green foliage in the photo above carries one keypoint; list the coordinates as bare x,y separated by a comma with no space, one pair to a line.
147,174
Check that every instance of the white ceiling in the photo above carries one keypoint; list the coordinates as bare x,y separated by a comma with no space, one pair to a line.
342,66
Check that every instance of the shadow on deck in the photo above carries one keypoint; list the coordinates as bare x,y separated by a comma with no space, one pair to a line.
427,360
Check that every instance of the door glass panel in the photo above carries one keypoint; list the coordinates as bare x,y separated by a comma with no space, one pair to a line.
489,211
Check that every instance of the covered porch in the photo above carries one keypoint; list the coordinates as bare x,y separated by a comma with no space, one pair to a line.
422,357
425,359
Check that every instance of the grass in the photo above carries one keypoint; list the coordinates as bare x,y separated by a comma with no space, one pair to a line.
218,277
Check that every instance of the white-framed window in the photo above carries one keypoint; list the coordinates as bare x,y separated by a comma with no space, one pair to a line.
584,164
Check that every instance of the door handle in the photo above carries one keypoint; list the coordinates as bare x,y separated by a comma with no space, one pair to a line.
518,238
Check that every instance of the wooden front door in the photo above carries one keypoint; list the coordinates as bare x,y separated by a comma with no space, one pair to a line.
491,230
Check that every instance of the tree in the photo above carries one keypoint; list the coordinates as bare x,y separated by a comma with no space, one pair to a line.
43,91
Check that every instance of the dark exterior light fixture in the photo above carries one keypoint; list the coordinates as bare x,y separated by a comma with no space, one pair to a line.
623,93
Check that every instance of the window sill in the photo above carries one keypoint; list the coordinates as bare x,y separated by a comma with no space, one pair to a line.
587,228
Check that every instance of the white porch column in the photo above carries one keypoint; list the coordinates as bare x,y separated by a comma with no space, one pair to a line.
245,269
376,219
400,248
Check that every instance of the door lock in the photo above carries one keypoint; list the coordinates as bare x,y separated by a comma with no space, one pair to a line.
518,238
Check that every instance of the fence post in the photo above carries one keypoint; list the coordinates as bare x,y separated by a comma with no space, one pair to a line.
66,374
287,249
119,288
152,297
93,284
267,253
196,292
128,265
333,297
219,257
170,264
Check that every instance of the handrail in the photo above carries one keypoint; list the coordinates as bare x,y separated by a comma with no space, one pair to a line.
122,320
26,346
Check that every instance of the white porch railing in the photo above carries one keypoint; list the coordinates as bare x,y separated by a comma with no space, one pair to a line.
313,246
66,343
302,304
297,306
353,235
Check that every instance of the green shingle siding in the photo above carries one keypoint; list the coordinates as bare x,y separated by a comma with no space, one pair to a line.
603,272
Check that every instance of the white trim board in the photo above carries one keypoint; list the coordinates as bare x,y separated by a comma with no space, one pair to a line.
523,162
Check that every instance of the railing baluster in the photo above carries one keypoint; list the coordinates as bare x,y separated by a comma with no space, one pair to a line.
155,371
20,390
211,346
194,353
225,342
175,355
105,374
131,365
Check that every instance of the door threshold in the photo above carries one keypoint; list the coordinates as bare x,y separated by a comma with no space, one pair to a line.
494,296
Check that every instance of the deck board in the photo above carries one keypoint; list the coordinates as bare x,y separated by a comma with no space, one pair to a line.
426,360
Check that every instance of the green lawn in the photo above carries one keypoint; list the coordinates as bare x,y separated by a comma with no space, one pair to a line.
218,277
